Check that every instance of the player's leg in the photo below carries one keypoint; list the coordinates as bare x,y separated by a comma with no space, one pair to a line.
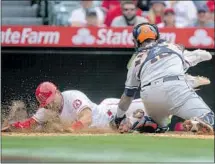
199,117
192,58
185,103
155,102
196,81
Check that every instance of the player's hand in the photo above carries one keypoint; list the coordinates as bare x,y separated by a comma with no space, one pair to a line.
6,129
115,122
125,126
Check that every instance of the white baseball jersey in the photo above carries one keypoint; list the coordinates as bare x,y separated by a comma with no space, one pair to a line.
108,108
75,101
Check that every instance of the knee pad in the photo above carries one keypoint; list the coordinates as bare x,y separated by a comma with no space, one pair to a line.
208,118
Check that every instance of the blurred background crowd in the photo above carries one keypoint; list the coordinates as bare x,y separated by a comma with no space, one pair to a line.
109,13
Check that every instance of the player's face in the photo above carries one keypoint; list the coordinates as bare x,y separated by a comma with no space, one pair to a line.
56,104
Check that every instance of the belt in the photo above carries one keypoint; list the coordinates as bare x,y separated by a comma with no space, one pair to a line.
169,78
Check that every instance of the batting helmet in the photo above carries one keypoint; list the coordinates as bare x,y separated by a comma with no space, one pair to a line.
145,31
45,93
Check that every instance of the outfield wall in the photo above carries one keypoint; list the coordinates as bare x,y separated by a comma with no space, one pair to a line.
100,73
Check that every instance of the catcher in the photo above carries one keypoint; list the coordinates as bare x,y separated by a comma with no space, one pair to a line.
158,68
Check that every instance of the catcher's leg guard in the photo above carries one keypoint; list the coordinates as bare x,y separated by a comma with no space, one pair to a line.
201,125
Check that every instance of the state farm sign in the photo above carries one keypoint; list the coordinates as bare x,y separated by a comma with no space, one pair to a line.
29,36
52,36
103,37
108,36
111,37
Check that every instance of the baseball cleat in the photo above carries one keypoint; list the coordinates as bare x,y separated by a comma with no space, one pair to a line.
196,125
197,81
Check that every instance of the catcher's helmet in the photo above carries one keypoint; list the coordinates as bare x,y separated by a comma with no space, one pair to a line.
45,93
145,31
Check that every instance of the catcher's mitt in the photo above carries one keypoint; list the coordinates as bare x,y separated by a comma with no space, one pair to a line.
145,125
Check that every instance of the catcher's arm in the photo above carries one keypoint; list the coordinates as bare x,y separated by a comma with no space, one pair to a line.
123,106
131,60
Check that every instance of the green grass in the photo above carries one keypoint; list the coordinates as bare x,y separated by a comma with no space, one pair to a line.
124,148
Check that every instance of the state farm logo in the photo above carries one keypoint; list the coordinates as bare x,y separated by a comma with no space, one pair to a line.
83,36
201,38
103,36
29,36
111,37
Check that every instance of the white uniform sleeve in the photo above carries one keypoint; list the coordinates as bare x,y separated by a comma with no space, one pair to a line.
110,101
80,101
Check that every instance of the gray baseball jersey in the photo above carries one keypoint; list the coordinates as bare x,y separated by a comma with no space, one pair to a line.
159,71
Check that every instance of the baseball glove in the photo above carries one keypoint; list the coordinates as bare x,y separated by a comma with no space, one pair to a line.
145,125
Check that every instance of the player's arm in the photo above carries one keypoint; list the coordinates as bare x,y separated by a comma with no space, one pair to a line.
28,124
84,119
131,87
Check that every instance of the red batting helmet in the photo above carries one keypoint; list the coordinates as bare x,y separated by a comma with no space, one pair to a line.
45,93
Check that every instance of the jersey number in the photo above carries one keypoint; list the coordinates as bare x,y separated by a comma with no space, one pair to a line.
161,56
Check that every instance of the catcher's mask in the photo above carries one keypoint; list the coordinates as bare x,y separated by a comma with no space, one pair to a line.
144,31
45,93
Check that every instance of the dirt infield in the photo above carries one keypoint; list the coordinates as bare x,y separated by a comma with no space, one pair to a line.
169,134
